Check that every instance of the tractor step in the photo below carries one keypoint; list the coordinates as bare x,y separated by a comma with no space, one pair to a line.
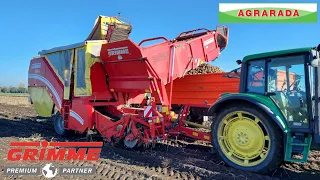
297,143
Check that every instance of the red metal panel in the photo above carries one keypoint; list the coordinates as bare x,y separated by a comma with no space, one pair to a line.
197,51
159,55
100,90
182,59
135,98
211,48
209,43
42,75
127,49
80,116
127,72
195,134
107,127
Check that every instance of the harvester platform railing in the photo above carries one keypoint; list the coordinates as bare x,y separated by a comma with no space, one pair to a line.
191,34
153,39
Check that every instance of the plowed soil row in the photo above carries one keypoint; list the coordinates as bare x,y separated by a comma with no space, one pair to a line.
168,160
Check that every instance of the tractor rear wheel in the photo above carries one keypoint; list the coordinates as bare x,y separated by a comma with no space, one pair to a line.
247,139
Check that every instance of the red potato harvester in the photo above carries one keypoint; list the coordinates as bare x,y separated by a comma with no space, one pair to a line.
126,92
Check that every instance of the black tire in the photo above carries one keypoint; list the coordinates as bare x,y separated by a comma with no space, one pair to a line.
58,124
276,151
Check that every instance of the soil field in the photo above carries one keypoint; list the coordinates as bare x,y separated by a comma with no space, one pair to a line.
168,160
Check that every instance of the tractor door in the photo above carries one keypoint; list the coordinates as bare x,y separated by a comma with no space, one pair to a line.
288,81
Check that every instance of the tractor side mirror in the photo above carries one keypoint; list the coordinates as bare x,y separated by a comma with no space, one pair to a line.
239,62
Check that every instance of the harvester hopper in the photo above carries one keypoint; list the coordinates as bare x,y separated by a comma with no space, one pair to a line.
132,68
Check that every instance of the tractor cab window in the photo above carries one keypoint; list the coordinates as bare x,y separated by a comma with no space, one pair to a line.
286,81
255,78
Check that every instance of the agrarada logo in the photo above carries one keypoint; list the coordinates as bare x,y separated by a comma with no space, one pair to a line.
53,151
268,12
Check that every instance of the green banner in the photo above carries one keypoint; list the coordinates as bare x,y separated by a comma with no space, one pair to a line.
268,12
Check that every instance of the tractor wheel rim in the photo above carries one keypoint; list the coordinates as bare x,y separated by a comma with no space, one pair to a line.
243,138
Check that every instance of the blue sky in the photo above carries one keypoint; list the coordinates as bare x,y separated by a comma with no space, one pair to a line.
30,26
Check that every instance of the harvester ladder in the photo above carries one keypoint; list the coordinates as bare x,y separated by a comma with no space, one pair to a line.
290,148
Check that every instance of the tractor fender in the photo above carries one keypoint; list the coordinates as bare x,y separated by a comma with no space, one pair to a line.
234,99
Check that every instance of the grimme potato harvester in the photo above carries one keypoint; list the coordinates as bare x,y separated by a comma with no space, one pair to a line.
138,94
112,86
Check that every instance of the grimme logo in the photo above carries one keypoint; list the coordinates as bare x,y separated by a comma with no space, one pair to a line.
52,151
268,12
36,66
89,151
118,51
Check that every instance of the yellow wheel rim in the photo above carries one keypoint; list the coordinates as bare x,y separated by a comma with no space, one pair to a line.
243,138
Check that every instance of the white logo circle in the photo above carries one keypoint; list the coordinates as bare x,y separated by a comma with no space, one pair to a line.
49,171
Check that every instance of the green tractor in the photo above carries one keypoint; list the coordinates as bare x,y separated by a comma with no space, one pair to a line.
275,116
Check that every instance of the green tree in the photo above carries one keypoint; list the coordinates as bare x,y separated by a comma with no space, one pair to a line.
21,88
5,90
13,89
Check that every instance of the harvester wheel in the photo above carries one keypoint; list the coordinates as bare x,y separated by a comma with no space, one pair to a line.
130,144
247,139
58,124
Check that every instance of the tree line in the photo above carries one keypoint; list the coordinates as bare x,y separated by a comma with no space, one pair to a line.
11,89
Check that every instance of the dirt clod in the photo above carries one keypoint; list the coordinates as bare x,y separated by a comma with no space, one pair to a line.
204,69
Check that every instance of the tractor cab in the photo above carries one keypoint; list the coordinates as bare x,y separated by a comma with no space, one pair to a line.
288,78
288,84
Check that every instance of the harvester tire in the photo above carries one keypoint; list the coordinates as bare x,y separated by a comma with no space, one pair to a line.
58,124
246,138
